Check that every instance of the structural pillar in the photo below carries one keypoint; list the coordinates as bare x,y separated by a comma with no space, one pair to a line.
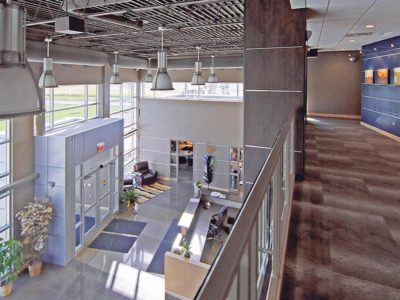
274,80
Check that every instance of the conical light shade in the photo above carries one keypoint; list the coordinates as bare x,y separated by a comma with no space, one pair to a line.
198,78
149,77
213,76
115,78
162,81
47,79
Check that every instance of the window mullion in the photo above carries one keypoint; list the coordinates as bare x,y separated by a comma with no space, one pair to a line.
51,121
85,102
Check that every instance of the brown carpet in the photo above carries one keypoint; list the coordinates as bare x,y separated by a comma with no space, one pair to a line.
344,240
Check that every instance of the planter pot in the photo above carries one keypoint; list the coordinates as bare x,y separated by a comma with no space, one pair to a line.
196,191
6,290
35,270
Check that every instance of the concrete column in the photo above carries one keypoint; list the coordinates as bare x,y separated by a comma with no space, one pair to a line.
104,92
274,80
21,165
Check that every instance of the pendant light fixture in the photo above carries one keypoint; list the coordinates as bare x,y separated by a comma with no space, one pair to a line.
162,81
47,79
115,78
149,77
213,76
198,78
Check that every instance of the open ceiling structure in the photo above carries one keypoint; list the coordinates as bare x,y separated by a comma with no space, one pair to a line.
131,27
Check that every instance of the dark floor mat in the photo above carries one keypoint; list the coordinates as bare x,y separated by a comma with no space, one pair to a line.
113,242
125,227
157,263
172,231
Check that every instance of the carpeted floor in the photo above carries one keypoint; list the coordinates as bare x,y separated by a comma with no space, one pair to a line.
344,240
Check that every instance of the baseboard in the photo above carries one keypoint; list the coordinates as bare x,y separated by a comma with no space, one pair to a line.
335,116
383,132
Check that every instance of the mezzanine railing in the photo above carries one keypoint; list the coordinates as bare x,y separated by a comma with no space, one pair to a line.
250,264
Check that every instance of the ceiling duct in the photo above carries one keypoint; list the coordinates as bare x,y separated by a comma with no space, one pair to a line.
14,70
69,25
80,7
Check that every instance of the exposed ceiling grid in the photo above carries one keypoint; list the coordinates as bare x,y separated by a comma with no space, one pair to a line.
215,25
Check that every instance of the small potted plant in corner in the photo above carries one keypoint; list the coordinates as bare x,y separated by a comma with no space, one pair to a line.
35,219
197,187
185,252
130,198
11,262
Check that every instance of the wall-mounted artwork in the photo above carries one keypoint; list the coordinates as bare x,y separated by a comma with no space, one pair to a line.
369,76
382,76
396,76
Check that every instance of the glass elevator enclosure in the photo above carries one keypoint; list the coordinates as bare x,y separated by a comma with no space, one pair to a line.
80,170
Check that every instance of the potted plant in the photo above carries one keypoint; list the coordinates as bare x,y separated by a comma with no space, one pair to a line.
185,252
35,219
208,173
11,262
197,187
130,198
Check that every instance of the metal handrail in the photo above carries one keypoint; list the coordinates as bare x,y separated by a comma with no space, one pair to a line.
220,277
18,183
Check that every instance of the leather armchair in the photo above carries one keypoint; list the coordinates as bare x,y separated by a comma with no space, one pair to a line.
147,175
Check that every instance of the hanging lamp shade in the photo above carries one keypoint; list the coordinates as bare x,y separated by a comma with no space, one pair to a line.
162,81
47,79
115,78
213,76
149,77
198,78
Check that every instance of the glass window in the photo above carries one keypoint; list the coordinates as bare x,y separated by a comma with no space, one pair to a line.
5,160
70,104
124,104
222,90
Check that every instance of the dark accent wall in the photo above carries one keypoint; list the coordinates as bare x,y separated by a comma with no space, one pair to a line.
274,80
380,105
333,84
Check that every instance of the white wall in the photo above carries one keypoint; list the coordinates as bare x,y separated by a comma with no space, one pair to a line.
202,122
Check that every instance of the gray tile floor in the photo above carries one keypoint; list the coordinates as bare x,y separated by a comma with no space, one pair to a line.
99,274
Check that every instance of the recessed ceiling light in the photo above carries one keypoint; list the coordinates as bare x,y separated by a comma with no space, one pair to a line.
369,26
392,45
352,41
375,49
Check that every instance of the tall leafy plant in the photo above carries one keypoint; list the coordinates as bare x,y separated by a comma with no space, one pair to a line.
35,219
11,260
208,174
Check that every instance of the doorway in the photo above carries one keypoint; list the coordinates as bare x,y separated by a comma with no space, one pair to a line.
181,160
95,194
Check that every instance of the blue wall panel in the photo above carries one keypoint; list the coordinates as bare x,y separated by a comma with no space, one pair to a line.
380,105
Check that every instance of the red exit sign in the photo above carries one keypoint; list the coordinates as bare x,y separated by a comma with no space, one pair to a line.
101,147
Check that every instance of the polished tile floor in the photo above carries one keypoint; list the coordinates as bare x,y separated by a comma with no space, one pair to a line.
344,240
99,274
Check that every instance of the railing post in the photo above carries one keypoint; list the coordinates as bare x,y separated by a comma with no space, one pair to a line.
276,218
